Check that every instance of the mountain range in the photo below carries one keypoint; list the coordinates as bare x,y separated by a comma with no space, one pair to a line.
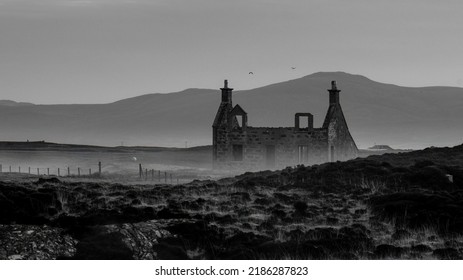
377,113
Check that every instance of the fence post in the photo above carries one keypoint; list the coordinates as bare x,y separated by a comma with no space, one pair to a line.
19,169
146,174
89,171
159,176
48,171
165,177
1,168
38,173
78,171
152,174
29,170
140,170
99,168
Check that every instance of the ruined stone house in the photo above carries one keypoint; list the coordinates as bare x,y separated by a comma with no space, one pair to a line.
237,146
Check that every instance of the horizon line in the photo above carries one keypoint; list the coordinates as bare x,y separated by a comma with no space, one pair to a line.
27,103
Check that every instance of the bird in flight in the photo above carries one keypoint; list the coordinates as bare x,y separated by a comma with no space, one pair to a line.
293,68
250,73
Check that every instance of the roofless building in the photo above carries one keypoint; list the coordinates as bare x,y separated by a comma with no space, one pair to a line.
237,146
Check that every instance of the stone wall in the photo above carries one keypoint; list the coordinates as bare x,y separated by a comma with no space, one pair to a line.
259,148
258,144
339,138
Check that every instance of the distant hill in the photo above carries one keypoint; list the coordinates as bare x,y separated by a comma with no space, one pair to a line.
48,146
380,147
14,103
403,117
451,156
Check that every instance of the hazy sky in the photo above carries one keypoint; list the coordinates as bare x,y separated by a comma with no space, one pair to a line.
98,51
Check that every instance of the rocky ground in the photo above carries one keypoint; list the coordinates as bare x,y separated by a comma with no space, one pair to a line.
380,208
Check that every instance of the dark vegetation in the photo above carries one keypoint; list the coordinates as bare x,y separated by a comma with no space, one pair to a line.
395,206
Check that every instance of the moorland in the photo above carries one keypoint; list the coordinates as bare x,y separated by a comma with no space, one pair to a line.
390,206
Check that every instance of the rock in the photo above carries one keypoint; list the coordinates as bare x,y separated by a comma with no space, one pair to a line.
16,257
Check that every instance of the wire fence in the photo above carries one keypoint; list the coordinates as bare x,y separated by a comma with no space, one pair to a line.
144,174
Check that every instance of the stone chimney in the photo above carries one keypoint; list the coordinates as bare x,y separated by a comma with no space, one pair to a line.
226,93
334,93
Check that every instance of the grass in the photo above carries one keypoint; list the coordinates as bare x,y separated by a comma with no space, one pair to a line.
361,209
374,186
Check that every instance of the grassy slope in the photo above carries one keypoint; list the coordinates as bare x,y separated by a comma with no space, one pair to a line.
395,206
